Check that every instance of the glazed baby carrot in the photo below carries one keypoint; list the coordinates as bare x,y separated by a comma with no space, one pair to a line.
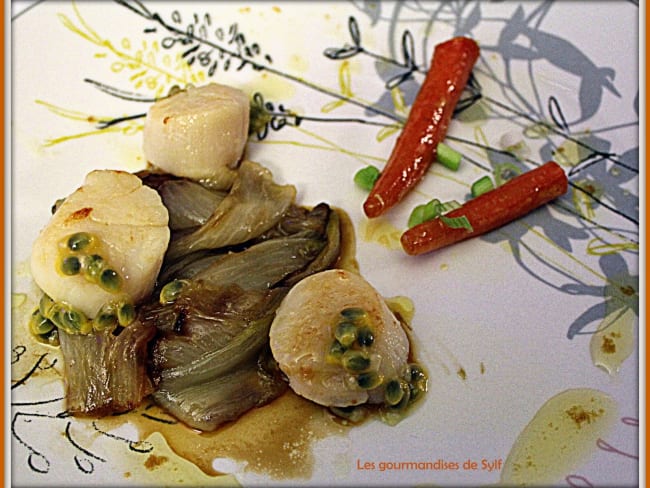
426,125
490,210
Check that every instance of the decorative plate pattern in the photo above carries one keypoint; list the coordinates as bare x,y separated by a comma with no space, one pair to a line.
541,307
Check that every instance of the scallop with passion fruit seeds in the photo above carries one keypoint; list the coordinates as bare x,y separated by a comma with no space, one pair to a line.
105,242
312,335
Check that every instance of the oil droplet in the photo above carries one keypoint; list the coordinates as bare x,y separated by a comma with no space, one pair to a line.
403,307
382,232
613,343
560,437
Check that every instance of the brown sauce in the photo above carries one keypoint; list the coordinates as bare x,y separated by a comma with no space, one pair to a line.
275,440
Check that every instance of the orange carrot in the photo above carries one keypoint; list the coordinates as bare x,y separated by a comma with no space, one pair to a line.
491,210
426,125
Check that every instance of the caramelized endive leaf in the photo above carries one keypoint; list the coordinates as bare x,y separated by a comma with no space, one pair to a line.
254,205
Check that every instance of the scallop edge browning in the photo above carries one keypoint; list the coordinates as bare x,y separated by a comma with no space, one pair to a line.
304,331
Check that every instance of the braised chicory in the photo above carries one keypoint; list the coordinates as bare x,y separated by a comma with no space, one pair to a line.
199,346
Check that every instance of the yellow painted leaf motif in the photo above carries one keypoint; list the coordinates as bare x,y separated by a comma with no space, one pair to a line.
146,65
597,247
387,132
537,131
128,128
345,87
583,194
397,96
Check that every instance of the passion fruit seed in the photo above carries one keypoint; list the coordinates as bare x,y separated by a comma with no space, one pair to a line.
69,319
93,266
335,353
125,314
417,377
79,241
369,380
70,266
45,305
171,291
105,320
365,336
355,361
394,392
40,325
354,313
346,333
110,280
354,414
404,400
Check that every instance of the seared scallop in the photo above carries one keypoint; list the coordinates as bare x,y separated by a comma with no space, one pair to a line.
198,132
337,341
104,244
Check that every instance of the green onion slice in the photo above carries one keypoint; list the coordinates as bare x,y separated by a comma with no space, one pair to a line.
461,222
448,157
366,177
430,210
482,185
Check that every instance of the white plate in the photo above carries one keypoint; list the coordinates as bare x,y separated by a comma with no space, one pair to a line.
503,307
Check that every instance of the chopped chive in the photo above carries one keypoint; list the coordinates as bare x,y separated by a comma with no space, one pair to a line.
418,215
482,185
450,205
461,222
430,210
366,177
424,212
448,157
